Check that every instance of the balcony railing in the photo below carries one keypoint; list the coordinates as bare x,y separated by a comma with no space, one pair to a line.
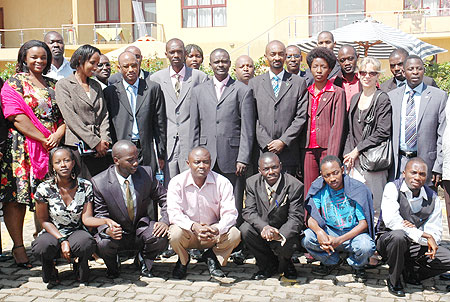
92,33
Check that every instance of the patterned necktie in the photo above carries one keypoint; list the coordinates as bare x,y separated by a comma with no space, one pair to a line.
275,85
270,195
177,85
410,122
130,205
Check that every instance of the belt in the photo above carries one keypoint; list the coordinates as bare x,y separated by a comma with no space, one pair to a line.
408,154
137,142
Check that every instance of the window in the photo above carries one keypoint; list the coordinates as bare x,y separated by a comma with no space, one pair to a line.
430,7
144,11
107,11
204,13
332,14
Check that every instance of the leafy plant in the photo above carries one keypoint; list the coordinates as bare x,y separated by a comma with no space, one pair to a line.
8,71
439,72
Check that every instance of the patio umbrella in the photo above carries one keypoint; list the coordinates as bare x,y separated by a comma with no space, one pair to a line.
372,38
149,48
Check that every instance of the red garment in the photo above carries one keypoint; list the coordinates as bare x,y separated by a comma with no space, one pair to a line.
315,99
351,88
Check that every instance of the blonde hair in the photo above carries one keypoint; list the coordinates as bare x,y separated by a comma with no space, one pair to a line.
369,60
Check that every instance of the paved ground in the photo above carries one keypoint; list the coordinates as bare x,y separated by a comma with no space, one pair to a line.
23,285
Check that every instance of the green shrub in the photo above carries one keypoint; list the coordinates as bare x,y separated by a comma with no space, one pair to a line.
8,71
440,73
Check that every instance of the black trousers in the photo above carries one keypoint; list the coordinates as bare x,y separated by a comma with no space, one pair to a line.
46,248
403,254
143,241
268,254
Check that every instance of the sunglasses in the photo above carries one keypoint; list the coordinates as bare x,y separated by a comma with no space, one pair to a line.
371,73
293,56
100,65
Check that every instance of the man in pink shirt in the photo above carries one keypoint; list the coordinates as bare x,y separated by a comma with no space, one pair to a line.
348,79
202,215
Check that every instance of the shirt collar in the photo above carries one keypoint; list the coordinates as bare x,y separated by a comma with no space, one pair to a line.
63,65
280,75
353,81
399,82
328,87
134,85
210,179
404,188
418,89
224,82
182,72
275,185
122,179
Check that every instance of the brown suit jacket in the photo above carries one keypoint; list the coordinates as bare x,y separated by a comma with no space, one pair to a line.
86,117
330,121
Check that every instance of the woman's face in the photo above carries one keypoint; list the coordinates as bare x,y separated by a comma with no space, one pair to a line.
368,75
194,59
62,163
320,70
36,59
90,66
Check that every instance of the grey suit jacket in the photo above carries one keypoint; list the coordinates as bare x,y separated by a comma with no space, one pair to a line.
391,84
150,116
226,127
117,77
177,110
86,117
281,117
430,128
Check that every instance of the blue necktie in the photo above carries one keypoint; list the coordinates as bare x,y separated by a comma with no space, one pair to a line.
410,122
135,130
275,85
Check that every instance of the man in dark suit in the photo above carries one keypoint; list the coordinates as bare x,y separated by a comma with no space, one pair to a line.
418,122
281,109
123,193
245,69
396,64
137,112
293,62
143,74
223,121
273,218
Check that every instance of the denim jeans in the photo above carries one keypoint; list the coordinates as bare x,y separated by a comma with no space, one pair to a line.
360,248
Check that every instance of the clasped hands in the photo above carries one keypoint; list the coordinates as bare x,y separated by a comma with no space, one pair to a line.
276,146
205,232
269,233
328,243
115,231
432,245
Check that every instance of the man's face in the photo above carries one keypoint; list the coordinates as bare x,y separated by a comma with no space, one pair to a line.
347,60
293,59
245,70
333,175
129,67
220,64
275,55
396,66
415,175
414,72
56,44
127,161
176,54
325,40
199,162
104,68
270,169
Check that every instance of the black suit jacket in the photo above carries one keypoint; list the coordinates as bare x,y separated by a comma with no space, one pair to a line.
109,201
287,211
150,115
391,84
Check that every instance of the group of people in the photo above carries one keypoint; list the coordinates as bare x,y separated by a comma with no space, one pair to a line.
134,162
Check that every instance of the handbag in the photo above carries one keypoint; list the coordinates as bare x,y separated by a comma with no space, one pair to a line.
379,157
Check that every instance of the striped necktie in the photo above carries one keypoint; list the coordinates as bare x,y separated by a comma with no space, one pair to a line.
410,122
177,85
270,193
130,204
276,85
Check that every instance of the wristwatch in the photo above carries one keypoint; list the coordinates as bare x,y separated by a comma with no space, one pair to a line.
61,239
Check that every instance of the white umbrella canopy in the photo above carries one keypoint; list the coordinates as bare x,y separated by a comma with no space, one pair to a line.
372,38
149,48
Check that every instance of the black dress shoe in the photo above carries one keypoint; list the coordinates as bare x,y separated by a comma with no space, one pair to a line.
325,270
195,254
180,270
360,275
290,272
4,257
395,290
145,272
215,270
168,253
263,274
445,276
238,257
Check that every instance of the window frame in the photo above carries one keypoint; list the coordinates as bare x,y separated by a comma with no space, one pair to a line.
439,13
107,12
197,7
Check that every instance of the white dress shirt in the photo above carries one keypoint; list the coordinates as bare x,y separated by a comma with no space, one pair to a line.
173,74
59,73
132,98
390,208
220,86
123,187
280,76
417,98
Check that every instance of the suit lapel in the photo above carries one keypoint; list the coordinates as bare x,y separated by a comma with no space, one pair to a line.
264,198
142,94
212,91
81,93
138,186
279,195
285,85
167,82
186,85
424,101
326,97
268,86
229,88
92,91
123,97
116,192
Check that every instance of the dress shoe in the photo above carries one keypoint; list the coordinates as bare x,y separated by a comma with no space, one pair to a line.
445,276
145,272
195,254
263,274
168,253
360,275
180,270
325,270
395,290
290,272
238,257
4,257
215,270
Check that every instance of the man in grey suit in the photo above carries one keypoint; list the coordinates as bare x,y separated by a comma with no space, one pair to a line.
137,112
223,121
418,122
396,61
143,74
176,83
281,108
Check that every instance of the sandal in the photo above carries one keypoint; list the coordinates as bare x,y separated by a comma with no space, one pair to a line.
25,265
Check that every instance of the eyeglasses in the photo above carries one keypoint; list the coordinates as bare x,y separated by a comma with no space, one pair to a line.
100,65
371,73
293,56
